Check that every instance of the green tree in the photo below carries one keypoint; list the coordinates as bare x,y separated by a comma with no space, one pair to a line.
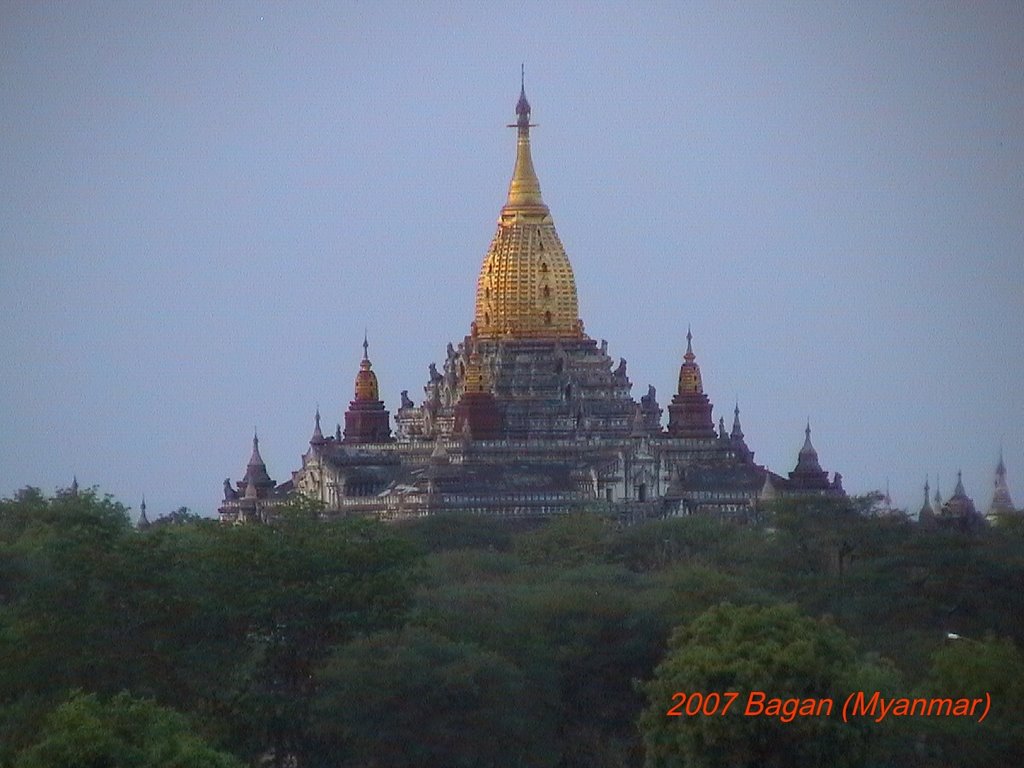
290,591
123,732
969,668
774,650
61,590
571,540
412,697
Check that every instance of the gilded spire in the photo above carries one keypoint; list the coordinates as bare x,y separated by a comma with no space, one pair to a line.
524,189
526,288
366,380
689,372
476,379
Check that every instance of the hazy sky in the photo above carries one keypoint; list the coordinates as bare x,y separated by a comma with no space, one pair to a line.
203,204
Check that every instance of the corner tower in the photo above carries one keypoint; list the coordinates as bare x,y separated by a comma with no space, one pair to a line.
366,421
526,288
689,413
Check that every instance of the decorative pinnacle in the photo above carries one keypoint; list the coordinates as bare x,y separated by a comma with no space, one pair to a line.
522,106
524,189
366,346
689,356
808,447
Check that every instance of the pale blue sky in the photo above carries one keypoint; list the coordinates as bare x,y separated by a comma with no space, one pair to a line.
203,204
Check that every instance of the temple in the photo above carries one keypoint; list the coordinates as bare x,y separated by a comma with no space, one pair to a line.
527,415
1001,508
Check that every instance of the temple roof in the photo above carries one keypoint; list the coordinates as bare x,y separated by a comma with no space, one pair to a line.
526,287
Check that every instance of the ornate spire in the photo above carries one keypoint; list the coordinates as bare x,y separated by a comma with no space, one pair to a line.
959,490
689,372
318,436
143,520
927,514
526,287
366,420
689,414
960,507
524,189
74,485
737,430
523,106
367,389
1001,504
476,378
256,470
255,459
808,473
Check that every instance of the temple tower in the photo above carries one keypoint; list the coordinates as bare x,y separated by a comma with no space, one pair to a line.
366,420
689,413
1001,504
476,414
808,474
926,515
548,379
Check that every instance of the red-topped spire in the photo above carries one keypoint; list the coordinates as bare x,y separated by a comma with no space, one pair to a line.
689,413
366,421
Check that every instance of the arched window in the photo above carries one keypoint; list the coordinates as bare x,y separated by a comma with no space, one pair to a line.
547,318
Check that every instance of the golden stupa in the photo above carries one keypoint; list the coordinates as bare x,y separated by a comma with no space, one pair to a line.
526,289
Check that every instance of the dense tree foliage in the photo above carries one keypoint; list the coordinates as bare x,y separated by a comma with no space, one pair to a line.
765,682
121,733
469,641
